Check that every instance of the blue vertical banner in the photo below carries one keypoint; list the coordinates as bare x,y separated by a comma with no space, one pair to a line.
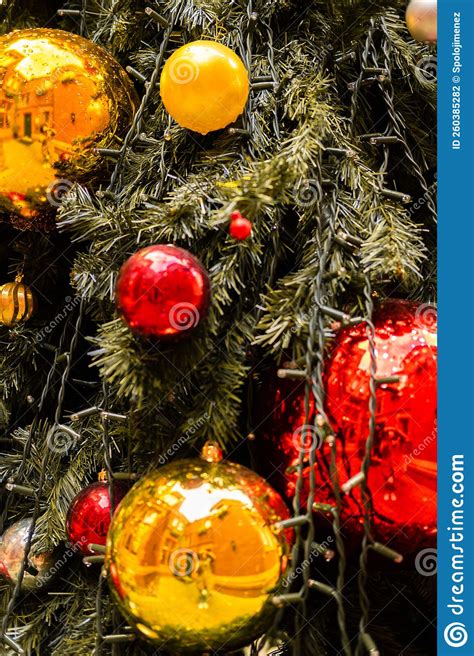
456,327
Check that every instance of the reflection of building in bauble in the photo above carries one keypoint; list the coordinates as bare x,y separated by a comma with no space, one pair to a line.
195,553
67,107
48,110
61,96
243,567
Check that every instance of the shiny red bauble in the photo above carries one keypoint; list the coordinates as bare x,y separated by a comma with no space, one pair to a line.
403,470
88,518
163,292
240,228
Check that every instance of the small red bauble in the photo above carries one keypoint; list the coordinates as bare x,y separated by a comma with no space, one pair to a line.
162,292
240,228
88,518
403,470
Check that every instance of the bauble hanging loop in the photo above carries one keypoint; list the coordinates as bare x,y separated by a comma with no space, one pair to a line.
211,452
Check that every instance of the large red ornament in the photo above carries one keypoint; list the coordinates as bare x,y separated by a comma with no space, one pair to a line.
403,469
88,518
163,292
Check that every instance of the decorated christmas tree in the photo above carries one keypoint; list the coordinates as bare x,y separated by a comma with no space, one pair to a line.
218,363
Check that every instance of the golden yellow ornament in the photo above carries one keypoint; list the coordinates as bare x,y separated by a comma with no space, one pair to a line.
61,96
17,302
194,556
204,86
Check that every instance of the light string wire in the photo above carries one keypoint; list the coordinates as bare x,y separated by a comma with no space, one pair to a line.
44,464
314,360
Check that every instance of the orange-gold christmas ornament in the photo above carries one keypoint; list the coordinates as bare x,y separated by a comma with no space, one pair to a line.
195,554
17,302
422,19
204,86
61,96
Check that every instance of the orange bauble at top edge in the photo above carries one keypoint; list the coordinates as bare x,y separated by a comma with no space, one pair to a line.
421,18
204,86
61,97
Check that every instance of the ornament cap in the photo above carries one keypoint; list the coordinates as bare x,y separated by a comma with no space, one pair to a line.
212,452
102,476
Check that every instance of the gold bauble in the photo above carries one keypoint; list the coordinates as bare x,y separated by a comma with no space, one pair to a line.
39,570
17,303
421,18
204,86
194,556
61,96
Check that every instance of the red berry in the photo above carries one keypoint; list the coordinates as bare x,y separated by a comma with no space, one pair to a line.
240,228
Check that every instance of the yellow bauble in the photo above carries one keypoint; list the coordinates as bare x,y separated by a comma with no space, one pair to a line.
61,96
194,558
17,303
204,86
421,18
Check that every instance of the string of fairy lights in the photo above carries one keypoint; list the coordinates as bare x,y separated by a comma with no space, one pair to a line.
295,599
